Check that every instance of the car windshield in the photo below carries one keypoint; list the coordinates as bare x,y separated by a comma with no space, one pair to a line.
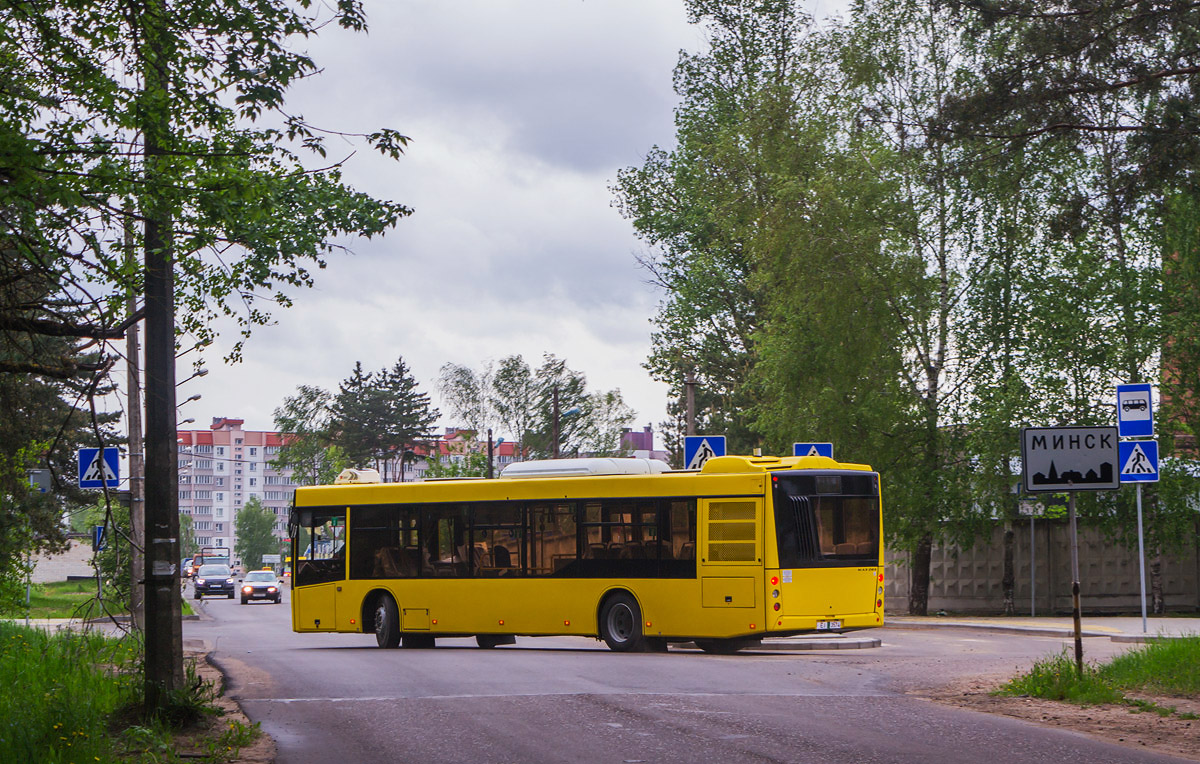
260,575
214,570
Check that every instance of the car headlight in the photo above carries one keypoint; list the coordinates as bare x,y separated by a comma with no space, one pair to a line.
229,580
247,589
270,589
199,582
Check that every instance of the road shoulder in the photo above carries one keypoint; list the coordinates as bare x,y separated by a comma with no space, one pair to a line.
1115,724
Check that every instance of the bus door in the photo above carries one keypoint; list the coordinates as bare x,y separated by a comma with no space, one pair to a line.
319,548
730,562
827,529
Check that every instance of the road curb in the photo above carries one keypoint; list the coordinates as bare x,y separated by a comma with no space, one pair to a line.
793,644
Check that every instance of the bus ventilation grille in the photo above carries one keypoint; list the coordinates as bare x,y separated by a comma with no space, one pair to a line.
732,531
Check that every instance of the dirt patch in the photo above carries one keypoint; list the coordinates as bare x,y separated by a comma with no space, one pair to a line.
1123,725
204,740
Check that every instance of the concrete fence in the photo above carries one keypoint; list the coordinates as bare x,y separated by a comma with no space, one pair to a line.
970,580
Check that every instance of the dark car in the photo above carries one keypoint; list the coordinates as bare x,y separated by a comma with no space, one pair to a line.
214,579
261,585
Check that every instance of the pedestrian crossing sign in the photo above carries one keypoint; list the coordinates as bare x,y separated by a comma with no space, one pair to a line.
99,468
1138,460
697,449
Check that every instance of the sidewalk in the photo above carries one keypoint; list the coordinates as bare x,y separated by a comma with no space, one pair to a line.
1116,628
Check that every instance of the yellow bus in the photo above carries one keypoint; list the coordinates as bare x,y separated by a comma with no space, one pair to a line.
623,550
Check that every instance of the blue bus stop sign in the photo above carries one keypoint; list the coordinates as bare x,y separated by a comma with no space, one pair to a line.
1135,411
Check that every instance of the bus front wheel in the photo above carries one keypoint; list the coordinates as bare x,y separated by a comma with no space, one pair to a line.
387,622
621,624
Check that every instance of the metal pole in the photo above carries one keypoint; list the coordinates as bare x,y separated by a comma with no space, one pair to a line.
1032,572
690,384
1141,557
1075,610
554,434
491,452
137,502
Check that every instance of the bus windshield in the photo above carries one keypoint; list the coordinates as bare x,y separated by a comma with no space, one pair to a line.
825,520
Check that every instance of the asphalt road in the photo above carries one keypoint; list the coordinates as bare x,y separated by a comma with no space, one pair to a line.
338,698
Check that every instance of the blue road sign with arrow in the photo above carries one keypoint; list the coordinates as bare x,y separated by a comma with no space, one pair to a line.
813,449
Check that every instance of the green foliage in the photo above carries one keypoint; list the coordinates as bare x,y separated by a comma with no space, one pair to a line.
1164,666
307,449
255,527
468,464
1057,678
375,416
522,403
247,219
71,686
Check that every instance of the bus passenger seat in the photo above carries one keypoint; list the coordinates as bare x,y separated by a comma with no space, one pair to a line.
387,562
867,547
412,561
502,558
597,552
844,548
688,551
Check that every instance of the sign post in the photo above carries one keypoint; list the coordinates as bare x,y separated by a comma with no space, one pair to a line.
1139,458
1071,459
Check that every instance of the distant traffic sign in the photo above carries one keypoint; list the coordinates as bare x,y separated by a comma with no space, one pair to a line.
813,449
1138,460
1135,411
99,468
1070,458
697,449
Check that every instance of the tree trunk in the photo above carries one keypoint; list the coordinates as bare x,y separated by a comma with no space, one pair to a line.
918,596
1158,603
1008,583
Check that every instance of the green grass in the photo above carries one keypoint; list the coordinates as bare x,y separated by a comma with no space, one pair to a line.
1162,667
75,697
69,599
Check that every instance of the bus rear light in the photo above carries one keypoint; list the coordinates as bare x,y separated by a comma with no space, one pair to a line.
434,622
774,580
501,621
776,606
648,624
752,627
566,623
775,594
352,622
881,578
878,603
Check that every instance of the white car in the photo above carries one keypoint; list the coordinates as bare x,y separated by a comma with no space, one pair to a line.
261,585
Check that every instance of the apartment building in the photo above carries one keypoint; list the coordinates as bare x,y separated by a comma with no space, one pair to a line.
220,469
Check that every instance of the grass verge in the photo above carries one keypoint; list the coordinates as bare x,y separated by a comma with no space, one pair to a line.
1164,667
71,599
76,697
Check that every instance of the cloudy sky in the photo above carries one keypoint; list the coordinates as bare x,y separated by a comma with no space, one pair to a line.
521,113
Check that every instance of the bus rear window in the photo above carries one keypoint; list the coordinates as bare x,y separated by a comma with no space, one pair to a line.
818,528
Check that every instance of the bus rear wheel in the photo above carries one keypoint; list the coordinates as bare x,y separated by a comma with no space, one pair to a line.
387,622
621,624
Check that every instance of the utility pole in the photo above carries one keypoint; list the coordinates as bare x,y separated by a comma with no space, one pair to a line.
137,501
690,386
164,637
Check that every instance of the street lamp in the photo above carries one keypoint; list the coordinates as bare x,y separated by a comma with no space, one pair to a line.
194,397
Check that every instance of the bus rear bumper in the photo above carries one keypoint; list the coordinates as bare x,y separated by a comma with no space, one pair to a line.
802,624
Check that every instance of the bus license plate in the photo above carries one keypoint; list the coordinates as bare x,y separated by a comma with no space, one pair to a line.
826,625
